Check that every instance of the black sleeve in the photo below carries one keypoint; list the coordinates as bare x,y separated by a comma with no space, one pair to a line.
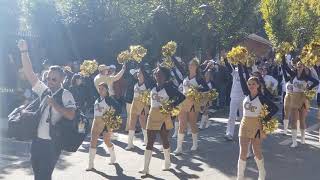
314,81
174,94
287,69
115,104
177,76
243,82
228,65
272,108
285,75
204,85
246,72
179,66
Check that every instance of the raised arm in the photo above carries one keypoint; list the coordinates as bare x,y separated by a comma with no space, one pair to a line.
119,74
243,82
286,68
228,65
26,63
204,85
179,66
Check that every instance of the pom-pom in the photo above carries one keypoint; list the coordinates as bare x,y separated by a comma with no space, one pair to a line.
282,49
169,49
167,108
124,56
112,121
88,67
137,52
238,55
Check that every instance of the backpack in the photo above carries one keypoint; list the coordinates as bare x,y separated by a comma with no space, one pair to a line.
67,134
23,121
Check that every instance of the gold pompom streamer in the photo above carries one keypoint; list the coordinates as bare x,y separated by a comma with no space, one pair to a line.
112,121
144,97
211,95
124,56
238,55
310,94
194,94
88,67
137,52
166,108
167,62
169,49
268,127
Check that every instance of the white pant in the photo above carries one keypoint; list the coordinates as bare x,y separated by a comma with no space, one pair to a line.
235,105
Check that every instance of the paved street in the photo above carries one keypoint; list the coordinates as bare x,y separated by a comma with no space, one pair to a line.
216,158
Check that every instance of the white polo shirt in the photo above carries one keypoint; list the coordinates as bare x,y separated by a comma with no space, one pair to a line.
68,102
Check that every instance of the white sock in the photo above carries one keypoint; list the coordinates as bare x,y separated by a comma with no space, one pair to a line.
285,125
294,138
303,136
241,168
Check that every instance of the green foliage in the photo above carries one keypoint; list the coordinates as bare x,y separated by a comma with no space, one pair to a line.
86,29
291,20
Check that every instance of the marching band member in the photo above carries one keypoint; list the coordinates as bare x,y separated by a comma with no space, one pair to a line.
250,128
159,122
298,111
138,108
236,96
176,73
190,109
103,103
270,82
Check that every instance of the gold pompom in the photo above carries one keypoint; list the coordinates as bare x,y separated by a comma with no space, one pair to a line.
169,49
124,56
88,67
310,94
167,62
144,97
211,95
111,121
167,108
194,94
282,49
268,127
238,55
137,52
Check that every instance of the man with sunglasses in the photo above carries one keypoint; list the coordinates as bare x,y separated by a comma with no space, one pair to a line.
44,153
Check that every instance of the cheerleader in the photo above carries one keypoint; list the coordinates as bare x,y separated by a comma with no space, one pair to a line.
270,82
250,127
298,107
287,94
189,110
138,109
103,103
207,102
159,122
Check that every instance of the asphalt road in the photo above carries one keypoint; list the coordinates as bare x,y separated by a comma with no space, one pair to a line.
216,158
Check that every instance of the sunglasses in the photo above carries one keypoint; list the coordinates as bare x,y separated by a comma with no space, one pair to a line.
52,79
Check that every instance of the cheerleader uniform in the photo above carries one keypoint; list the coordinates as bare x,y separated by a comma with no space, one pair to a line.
298,98
270,83
189,105
206,104
138,108
159,122
102,105
250,126
237,97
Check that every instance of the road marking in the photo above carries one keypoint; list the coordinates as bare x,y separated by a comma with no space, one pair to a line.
222,120
310,129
